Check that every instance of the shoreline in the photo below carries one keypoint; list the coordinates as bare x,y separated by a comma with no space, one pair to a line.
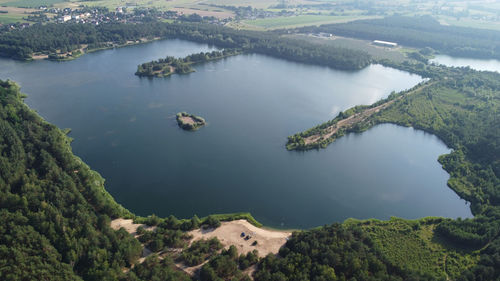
326,133
84,50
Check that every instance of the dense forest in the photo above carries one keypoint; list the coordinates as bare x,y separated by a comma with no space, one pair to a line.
21,44
189,122
420,32
170,65
55,211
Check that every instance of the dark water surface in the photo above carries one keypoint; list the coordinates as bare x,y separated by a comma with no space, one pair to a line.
124,127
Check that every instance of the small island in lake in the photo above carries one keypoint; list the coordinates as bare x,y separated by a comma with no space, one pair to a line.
190,122
170,65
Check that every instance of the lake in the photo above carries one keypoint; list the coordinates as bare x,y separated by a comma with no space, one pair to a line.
124,127
477,64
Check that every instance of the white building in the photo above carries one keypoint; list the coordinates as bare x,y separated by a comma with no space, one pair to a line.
385,44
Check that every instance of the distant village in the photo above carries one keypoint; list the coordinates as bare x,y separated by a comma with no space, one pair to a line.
98,15
132,14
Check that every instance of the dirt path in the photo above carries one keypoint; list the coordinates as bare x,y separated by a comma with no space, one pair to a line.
229,233
354,119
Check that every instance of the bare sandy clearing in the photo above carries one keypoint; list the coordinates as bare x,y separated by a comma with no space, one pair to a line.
129,226
39,57
187,120
229,233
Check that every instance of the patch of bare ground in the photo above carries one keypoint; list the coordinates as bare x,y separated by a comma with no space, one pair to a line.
229,233
39,56
187,120
129,226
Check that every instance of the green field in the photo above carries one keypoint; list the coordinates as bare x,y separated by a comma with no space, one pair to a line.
31,3
482,14
11,18
298,21
471,23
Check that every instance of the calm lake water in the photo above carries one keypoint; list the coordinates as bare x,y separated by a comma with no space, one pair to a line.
477,64
124,127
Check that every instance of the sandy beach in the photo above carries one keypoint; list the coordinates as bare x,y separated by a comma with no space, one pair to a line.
229,233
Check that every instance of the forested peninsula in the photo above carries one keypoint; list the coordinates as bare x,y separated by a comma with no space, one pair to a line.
170,65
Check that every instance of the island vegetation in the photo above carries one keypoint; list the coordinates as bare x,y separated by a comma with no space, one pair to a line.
170,65
189,122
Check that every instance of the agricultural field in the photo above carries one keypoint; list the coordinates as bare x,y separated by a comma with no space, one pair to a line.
29,3
259,4
394,54
299,21
296,13
13,14
8,18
